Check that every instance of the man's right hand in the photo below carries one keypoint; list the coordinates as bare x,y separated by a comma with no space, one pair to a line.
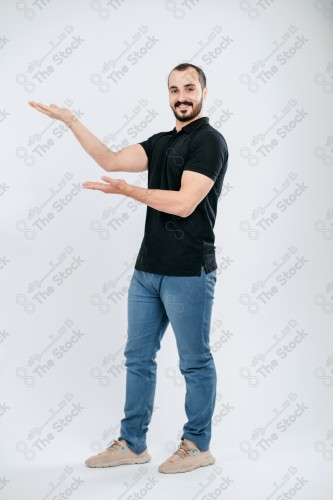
53,111
129,159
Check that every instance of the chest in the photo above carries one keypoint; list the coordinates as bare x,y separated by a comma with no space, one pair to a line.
167,162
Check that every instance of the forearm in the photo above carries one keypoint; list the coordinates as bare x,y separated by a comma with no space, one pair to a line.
90,143
171,202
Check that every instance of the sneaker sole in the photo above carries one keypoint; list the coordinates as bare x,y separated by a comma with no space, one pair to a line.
204,463
124,461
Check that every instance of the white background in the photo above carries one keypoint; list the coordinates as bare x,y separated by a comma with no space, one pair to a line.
269,67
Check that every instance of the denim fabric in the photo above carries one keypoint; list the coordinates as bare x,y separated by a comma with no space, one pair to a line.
186,302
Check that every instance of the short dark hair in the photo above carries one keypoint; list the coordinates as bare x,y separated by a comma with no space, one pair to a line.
184,66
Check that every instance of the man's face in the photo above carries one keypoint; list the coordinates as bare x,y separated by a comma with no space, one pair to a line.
185,94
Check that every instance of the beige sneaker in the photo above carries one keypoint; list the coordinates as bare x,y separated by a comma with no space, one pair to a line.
118,453
188,457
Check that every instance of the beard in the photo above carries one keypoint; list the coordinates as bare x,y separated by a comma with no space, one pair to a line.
191,112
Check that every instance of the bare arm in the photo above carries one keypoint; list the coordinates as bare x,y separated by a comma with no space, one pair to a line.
194,188
130,159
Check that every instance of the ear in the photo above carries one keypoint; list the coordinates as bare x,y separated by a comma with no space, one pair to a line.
205,92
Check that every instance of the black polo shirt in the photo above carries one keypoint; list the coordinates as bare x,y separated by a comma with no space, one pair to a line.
174,245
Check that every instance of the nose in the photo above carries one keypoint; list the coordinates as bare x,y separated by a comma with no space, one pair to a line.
182,95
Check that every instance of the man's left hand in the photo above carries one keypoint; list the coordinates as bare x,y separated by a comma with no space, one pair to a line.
113,186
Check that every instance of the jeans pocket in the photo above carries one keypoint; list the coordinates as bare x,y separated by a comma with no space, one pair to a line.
212,275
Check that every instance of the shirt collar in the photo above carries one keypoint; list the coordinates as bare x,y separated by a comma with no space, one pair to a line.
193,125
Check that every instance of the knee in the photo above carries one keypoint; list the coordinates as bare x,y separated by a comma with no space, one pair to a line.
189,364
137,354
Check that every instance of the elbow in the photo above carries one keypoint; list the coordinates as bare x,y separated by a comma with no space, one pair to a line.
186,214
110,163
108,160
185,211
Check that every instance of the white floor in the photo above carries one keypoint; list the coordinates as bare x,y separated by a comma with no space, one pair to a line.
303,474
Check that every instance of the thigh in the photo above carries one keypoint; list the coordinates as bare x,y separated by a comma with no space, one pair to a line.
188,301
147,318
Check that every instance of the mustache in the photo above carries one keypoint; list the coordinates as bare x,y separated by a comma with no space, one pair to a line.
178,103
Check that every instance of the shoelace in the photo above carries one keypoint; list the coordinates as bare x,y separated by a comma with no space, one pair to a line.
115,445
182,451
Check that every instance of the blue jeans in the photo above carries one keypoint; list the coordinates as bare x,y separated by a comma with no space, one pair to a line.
186,302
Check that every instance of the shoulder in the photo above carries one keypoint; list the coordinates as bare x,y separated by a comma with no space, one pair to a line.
209,137
155,137
149,144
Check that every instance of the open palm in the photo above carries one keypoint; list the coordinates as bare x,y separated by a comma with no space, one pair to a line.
53,111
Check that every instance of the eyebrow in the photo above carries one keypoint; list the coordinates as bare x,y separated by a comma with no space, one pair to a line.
187,85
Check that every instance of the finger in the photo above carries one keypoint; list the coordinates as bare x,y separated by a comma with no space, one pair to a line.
106,178
33,104
95,185
44,107
40,106
44,112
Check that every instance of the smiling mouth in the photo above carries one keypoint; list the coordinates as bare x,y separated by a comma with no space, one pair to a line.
183,107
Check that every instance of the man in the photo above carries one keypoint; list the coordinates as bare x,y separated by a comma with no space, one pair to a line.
175,271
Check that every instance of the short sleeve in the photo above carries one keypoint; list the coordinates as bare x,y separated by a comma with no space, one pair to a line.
208,155
146,146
